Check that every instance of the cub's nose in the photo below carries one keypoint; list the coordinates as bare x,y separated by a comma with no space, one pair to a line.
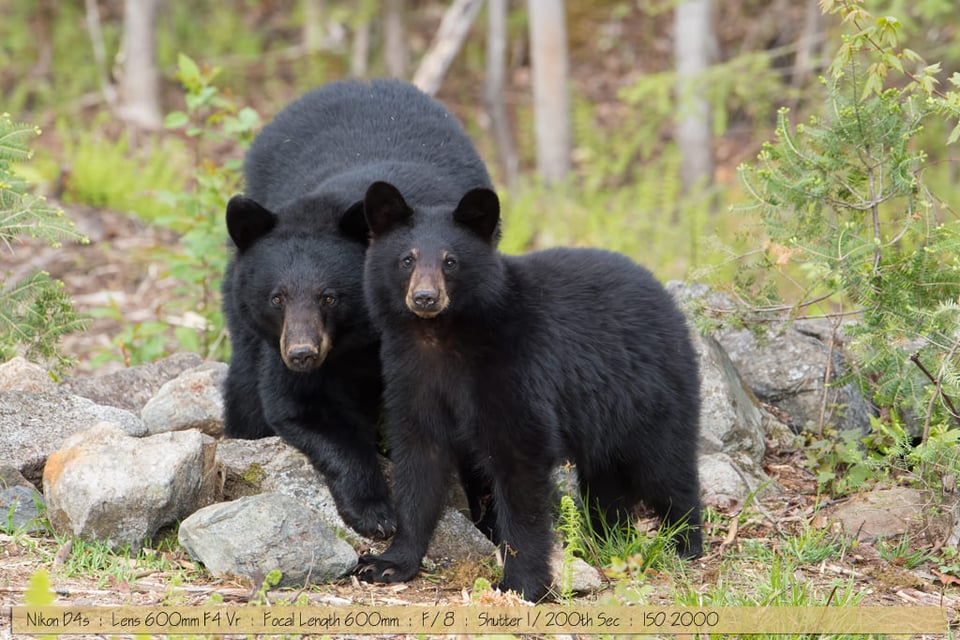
425,300
303,357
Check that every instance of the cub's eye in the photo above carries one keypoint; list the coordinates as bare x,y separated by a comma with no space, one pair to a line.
449,262
407,262
276,300
328,299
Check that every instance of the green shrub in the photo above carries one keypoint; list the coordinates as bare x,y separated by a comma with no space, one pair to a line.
35,312
107,173
849,229
193,320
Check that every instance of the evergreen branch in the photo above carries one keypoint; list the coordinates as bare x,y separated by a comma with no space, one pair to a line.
915,358
12,137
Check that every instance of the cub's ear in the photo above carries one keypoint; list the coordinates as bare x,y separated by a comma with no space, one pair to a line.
384,208
479,211
353,224
248,221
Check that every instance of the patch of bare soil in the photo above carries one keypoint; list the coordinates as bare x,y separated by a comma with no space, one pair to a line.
115,270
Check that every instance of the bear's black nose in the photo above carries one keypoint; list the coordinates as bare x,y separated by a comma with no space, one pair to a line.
303,357
425,300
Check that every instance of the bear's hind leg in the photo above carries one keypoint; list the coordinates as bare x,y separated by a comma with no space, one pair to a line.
606,500
612,497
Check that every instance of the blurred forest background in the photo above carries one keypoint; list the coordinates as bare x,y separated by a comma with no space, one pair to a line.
794,154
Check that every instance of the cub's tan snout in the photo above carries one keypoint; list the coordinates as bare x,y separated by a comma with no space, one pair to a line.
427,291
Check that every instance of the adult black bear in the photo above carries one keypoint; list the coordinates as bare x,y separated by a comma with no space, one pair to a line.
506,365
305,362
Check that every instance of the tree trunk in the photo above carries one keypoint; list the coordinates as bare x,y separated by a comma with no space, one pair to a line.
360,51
551,100
139,82
312,33
693,50
809,44
394,39
495,87
99,52
450,36
42,27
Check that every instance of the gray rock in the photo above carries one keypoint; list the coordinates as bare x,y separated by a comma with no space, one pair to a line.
10,476
694,297
254,535
270,465
888,513
583,577
192,400
34,425
730,420
130,389
104,485
19,374
732,440
787,367
733,425
725,483
21,510
456,539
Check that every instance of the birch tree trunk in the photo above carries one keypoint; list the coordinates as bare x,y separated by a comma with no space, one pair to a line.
99,52
139,88
693,49
551,100
394,39
312,33
450,36
360,49
809,44
495,87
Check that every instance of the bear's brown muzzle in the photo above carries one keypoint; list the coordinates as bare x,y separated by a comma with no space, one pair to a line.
304,342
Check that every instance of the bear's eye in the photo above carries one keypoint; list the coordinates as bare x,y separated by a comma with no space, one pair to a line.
328,299
407,262
276,300
449,263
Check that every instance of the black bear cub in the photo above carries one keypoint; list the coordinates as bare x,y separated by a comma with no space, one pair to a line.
501,367
305,363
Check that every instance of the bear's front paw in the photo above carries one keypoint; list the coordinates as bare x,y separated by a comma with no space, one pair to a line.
377,520
380,569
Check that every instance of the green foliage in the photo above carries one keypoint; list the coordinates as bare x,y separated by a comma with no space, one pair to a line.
841,463
622,549
902,552
39,593
776,583
948,561
812,545
210,118
35,312
193,321
849,227
261,594
570,525
636,219
111,174
110,566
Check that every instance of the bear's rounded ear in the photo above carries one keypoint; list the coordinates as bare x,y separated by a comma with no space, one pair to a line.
479,211
353,224
248,221
384,208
